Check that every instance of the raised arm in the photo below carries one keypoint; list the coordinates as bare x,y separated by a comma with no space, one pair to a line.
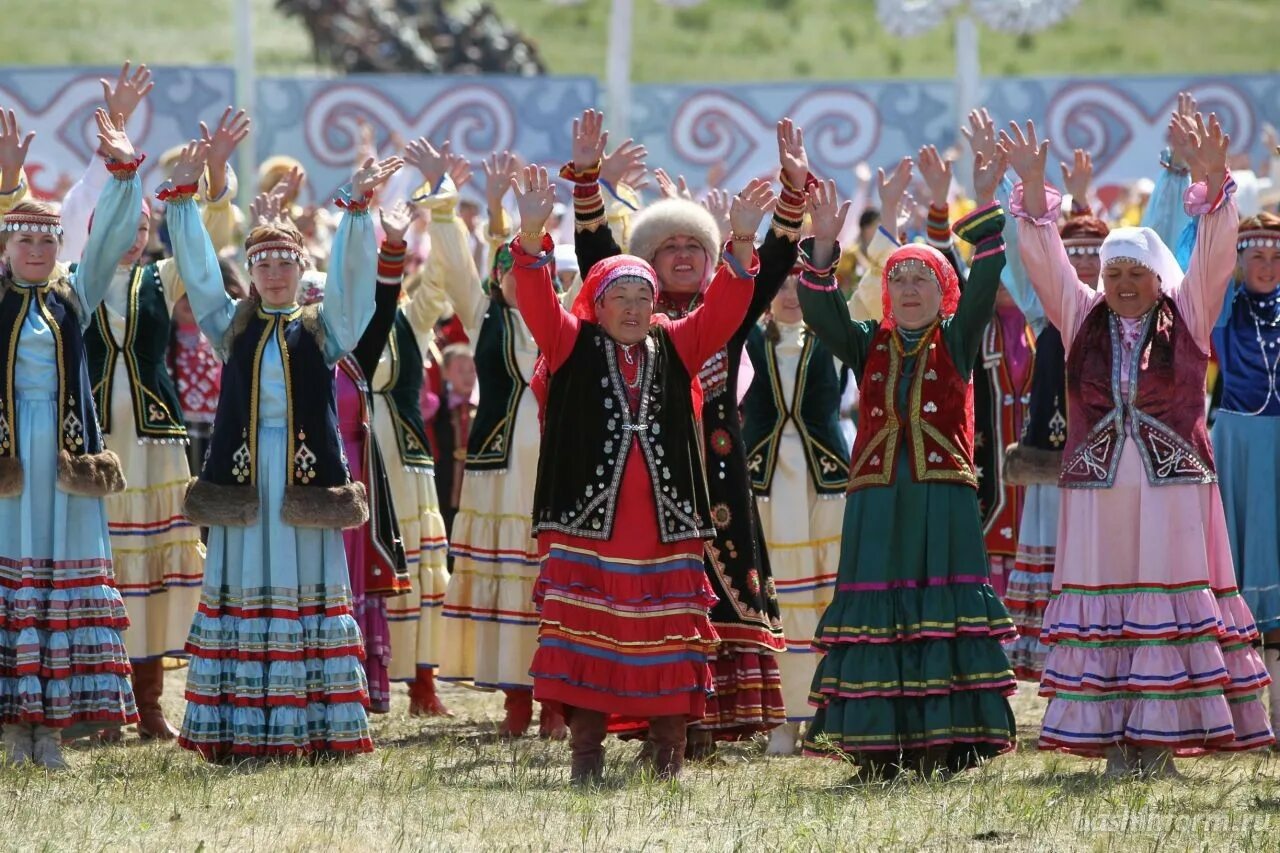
554,329
220,183
982,229
1064,297
1211,198
395,222
349,290
823,306
592,238
196,259
780,248
117,211
450,266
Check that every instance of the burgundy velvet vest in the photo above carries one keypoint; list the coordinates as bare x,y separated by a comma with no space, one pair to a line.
937,425
1164,402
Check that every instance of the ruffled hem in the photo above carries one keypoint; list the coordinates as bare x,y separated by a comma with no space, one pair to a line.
252,684
99,698
747,694
1148,613
278,638
223,732
976,724
62,608
912,670
947,610
1027,656
1188,725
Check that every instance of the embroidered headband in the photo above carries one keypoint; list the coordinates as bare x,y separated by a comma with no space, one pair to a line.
286,249
36,223
1083,245
625,273
912,265
1258,238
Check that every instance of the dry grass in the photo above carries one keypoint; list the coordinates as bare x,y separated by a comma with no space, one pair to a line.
450,785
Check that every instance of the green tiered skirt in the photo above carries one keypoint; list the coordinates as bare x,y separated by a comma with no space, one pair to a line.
912,640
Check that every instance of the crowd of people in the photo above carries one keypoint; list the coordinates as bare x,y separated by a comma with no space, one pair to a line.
658,470
414,36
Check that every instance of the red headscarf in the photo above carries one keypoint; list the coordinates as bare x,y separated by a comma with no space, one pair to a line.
601,277
943,273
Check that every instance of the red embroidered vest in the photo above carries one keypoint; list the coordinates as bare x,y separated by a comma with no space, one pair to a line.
1163,408
937,425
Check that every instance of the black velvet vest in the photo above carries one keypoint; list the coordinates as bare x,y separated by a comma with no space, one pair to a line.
1046,427
319,491
501,387
157,410
815,410
587,437
84,466
403,392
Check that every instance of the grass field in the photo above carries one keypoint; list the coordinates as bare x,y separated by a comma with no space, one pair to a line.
718,40
451,785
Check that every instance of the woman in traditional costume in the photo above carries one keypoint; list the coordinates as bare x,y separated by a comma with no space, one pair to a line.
63,665
1149,638
913,673
275,667
621,507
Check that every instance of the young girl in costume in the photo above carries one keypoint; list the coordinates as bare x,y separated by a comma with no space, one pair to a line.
913,673
1148,637
63,665
621,507
275,666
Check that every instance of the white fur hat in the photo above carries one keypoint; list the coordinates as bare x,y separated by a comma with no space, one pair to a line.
670,217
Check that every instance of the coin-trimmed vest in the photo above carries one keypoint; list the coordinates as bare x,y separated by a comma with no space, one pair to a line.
587,438
814,409
937,425
85,467
1163,408
157,409
319,491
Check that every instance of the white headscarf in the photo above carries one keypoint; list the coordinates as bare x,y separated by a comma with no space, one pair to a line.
1143,246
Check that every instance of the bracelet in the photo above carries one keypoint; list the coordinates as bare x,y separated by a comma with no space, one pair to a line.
742,238
533,236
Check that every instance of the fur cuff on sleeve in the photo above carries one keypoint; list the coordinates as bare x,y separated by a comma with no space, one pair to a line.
92,475
317,506
212,505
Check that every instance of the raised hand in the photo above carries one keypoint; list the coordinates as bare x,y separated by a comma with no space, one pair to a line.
988,170
396,221
535,199
627,160
266,209
226,137
792,156
373,174
826,212
191,163
589,140
717,203
458,169
981,134
892,188
112,139
672,189
427,159
936,173
748,208
1205,148
13,147
1026,154
288,187
499,171
1078,177
129,90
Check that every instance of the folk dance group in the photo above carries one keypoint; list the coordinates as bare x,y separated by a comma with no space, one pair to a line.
660,529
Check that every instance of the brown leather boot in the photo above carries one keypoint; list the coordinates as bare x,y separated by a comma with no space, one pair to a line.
667,734
519,708
148,685
551,724
586,745
423,701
